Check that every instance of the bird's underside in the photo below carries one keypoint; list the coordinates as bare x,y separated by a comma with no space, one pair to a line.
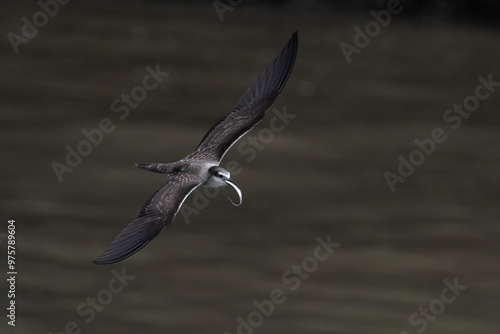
198,167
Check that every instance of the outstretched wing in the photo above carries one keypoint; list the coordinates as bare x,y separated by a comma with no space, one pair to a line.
158,211
253,105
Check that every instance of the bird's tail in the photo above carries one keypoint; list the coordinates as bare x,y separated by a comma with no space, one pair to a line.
154,167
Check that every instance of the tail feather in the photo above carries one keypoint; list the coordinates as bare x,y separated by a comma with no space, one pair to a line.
154,167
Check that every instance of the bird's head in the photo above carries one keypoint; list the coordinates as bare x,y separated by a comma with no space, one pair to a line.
220,177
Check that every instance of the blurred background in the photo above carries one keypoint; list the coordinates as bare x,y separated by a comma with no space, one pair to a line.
323,175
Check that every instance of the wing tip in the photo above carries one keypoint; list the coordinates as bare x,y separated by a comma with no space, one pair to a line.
116,253
101,262
106,258
109,259
295,36
285,62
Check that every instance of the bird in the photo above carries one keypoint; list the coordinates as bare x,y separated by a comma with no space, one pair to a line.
201,167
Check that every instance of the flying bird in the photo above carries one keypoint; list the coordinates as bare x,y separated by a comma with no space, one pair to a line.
201,167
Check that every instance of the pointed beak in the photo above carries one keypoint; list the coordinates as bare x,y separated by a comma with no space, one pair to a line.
232,184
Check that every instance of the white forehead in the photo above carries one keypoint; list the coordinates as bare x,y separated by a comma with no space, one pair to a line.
216,170
224,172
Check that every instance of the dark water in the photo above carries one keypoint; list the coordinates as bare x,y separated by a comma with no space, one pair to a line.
322,176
